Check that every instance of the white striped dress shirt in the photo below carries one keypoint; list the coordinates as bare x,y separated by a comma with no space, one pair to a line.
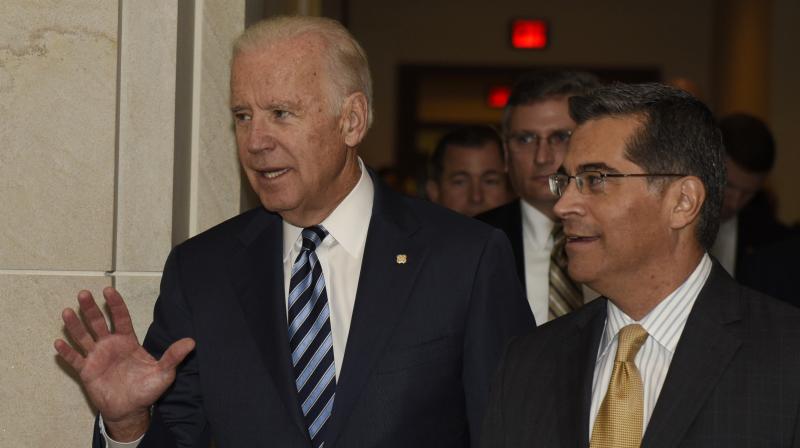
664,324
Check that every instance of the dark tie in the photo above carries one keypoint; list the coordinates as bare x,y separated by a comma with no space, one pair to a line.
565,295
310,338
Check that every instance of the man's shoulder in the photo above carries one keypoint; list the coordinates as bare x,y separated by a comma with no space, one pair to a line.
769,313
502,216
548,341
442,222
241,228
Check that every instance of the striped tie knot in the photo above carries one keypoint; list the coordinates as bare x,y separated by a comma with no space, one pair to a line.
313,236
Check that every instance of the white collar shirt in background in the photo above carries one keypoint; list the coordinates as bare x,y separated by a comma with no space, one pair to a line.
724,249
537,244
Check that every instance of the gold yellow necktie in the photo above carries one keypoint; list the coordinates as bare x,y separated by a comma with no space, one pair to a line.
619,420
564,295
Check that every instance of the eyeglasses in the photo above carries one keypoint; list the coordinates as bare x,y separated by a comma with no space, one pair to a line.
521,142
594,181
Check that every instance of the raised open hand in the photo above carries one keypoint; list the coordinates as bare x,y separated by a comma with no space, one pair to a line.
120,377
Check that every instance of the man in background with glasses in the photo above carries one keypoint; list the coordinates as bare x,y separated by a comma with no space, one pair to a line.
536,130
676,353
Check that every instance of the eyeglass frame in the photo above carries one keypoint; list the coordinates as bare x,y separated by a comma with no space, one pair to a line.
567,133
552,180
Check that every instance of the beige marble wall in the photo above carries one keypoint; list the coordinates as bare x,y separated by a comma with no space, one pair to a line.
58,64
42,405
216,187
88,101
146,134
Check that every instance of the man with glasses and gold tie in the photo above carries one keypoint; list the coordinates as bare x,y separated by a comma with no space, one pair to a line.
676,353
536,130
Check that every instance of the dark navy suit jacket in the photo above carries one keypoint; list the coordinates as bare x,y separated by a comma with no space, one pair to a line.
425,338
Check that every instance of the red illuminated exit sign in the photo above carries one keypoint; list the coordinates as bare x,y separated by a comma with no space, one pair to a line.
529,34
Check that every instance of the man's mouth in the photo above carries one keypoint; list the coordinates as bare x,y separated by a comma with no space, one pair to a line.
580,239
272,174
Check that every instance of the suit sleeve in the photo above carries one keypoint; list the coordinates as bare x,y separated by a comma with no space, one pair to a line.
177,419
497,312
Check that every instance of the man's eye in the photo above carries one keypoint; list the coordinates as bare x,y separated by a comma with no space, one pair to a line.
241,117
559,137
281,114
593,180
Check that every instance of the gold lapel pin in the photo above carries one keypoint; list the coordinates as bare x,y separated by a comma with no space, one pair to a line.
401,258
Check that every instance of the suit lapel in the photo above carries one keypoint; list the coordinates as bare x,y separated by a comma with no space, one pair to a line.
515,236
383,289
257,274
577,365
703,353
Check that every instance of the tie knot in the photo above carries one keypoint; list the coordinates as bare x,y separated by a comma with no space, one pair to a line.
631,338
313,236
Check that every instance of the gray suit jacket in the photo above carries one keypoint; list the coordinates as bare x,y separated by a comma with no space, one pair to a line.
734,380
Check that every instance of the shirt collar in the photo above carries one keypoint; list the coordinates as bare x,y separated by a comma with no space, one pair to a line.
537,223
665,322
348,222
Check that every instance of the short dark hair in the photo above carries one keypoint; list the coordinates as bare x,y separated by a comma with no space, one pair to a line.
472,136
748,142
678,135
533,87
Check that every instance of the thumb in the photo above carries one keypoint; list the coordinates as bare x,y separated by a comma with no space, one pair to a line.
176,353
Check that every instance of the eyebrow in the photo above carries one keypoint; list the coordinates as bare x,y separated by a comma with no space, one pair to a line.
596,166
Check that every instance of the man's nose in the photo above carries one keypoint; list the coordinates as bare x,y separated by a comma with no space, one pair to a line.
259,137
545,155
476,194
569,203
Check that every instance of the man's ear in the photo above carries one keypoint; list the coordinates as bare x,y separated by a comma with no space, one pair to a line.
432,188
687,197
354,119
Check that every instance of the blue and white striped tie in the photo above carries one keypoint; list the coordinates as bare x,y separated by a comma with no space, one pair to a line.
310,339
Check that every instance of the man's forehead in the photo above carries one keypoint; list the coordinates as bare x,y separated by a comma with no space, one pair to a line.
550,111
600,141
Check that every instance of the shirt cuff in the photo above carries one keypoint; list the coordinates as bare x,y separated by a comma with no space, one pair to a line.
111,443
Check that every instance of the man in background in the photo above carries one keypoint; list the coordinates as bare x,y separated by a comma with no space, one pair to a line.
468,171
748,216
536,131
752,245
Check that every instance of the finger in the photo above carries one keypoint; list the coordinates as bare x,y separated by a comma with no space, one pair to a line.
68,354
119,312
92,314
176,353
77,331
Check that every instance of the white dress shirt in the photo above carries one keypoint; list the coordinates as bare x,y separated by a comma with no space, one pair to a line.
724,248
664,325
537,244
343,248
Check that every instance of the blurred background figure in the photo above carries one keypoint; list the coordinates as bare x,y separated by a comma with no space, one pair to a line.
536,130
748,214
752,245
468,171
